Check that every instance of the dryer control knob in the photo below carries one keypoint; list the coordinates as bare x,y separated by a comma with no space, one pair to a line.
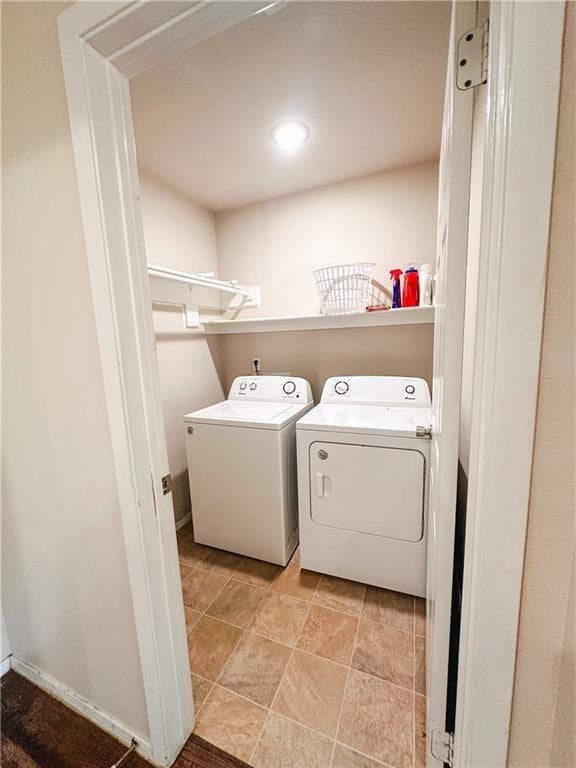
341,387
289,387
410,389
253,385
242,385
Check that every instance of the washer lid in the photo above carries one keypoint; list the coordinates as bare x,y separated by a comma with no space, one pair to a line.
367,419
247,414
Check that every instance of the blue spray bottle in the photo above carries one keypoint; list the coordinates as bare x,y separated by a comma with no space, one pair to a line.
396,299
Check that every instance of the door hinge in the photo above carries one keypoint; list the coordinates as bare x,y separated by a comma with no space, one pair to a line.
166,484
472,62
424,432
442,746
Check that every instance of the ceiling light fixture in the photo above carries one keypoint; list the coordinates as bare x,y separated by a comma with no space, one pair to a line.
290,136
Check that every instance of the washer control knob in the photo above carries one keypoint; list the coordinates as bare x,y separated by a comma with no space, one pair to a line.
242,385
410,389
341,387
253,386
289,387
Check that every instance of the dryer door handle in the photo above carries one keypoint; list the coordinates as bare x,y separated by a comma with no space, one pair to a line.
323,485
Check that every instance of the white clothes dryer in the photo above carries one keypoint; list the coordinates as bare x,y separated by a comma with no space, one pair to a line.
363,458
242,467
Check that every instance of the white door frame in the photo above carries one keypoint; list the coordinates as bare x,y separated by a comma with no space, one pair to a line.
525,59
103,45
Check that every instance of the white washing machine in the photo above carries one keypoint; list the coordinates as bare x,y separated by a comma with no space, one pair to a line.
242,467
363,457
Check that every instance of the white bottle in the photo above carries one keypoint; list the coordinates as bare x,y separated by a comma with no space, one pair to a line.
426,285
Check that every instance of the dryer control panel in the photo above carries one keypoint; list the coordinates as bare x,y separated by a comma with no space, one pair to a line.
391,391
271,389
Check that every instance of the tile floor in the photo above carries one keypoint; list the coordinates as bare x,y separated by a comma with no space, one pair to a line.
292,669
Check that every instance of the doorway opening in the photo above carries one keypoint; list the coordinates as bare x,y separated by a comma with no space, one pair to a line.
305,135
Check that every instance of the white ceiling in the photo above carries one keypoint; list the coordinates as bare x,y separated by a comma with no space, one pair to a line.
367,77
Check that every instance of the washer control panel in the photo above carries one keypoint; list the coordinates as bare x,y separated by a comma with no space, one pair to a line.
271,389
377,390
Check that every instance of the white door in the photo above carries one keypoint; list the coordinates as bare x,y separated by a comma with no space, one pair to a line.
453,212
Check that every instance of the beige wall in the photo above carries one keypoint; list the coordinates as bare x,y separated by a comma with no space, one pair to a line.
389,218
543,729
66,597
401,350
179,234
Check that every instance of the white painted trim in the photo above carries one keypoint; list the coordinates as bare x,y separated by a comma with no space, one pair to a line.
406,316
80,705
184,521
5,665
525,66
134,35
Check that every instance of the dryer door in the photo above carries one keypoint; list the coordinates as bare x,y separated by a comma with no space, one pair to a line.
368,489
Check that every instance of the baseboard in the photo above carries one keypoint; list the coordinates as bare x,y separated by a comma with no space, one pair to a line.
183,520
5,665
81,706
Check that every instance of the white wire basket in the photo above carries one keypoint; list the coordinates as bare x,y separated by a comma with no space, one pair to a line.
344,289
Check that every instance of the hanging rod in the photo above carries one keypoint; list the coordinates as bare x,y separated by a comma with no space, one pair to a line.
201,280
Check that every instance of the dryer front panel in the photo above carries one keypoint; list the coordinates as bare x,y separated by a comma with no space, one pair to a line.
368,489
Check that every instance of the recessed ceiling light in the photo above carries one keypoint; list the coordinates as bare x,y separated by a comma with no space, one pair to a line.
290,136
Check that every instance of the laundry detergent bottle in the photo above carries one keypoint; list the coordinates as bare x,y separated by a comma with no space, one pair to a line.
395,276
411,290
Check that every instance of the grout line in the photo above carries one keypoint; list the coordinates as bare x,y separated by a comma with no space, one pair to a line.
310,604
354,642
291,720
284,675
243,630
364,754
235,577
268,589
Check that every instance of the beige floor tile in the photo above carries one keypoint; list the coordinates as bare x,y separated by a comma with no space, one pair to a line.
237,603
191,553
257,572
191,616
185,569
329,634
230,722
297,582
377,720
280,618
222,563
200,588
420,616
210,644
420,731
311,692
340,594
385,652
284,744
348,758
387,607
200,689
420,671
186,532
256,668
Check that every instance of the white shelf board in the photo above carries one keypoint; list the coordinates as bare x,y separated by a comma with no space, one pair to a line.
408,316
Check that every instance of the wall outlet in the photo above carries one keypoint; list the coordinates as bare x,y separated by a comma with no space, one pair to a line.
256,365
